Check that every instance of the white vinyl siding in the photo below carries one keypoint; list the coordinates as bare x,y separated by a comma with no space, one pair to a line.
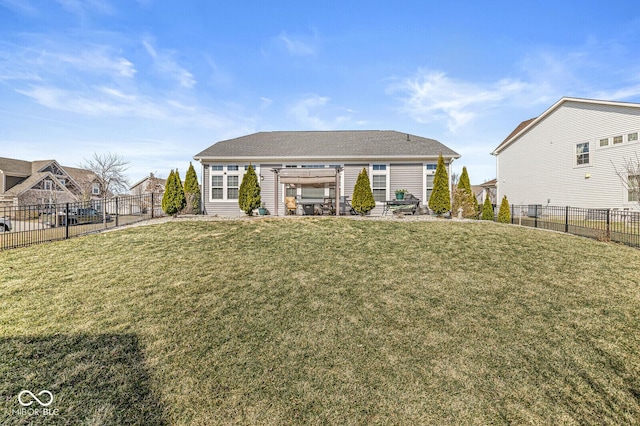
540,166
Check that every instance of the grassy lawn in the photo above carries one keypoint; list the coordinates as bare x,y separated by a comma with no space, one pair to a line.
319,321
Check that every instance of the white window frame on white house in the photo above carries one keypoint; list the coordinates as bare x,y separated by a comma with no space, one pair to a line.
380,169
632,137
95,188
227,171
618,139
48,185
582,158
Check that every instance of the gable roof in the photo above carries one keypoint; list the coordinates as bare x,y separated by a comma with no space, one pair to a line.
15,167
527,125
159,181
33,172
327,144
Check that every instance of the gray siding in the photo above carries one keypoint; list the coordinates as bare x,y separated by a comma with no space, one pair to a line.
351,172
267,188
407,176
540,166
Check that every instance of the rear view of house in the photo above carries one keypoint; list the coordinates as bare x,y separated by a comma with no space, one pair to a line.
312,165
572,155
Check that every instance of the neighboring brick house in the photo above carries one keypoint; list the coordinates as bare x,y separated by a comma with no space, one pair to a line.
44,183
310,165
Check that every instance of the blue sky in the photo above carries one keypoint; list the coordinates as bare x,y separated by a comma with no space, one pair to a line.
159,81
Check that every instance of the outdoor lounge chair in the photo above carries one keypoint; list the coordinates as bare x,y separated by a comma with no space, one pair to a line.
327,206
291,204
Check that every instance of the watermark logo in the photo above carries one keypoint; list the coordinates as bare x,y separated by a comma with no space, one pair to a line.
26,398
43,400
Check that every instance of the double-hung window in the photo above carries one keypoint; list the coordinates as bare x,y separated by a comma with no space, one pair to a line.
430,170
379,174
225,181
582,153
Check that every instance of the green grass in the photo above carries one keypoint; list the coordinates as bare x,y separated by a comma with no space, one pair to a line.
315,321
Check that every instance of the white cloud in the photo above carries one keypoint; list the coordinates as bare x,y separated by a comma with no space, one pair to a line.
82,8
166,66
296,46
315,112
433,96
304,112
265,102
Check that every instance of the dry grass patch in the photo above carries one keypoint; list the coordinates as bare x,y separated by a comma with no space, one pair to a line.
323,321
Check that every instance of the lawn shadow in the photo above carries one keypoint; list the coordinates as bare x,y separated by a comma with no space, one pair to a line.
93,379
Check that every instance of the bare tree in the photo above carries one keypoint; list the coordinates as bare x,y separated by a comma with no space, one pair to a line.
630,176
109,169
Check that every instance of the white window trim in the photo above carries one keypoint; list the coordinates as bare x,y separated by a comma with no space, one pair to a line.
95,189
225,173
625,195
625,139
381,172
575,155
424,181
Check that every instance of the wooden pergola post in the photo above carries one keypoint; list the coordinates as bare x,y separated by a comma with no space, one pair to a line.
337,192
275,191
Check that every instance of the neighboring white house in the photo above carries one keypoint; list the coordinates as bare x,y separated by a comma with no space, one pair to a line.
310,165
568,156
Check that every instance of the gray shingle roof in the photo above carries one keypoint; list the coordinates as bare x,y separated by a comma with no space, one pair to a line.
359,143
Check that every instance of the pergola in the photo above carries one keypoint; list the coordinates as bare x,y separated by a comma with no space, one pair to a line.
311,177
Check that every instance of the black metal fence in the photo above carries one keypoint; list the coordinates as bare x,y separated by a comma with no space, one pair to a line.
22,226
618,225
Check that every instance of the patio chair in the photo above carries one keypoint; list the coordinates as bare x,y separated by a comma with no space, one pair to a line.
291,204
327,206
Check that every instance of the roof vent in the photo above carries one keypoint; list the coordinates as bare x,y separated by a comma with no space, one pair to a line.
408,137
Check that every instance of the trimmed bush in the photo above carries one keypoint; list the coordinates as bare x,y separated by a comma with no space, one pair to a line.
179,199
249,193
362,199
167,197
487,209
173,200
440,201
192,191
504,215
463,198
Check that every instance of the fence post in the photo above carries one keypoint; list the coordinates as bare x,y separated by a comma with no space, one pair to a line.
153,205
66,222
566,219
608,224
117,211
535,218
512,211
